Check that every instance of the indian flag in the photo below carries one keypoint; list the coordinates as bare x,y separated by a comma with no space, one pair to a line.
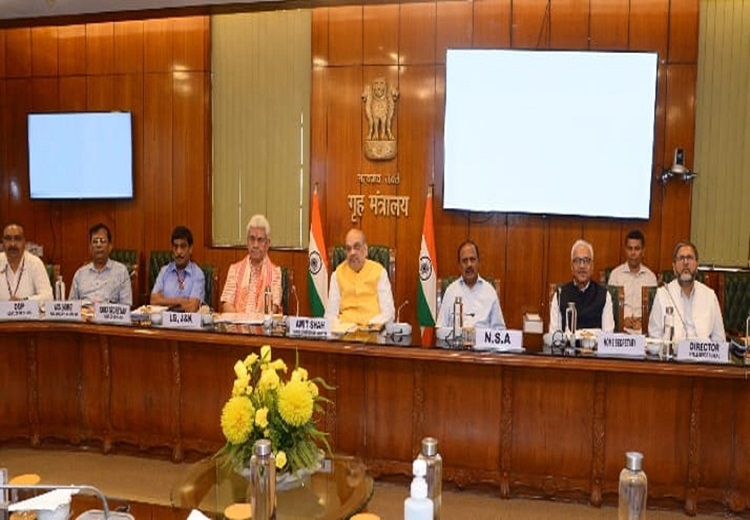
427,287
317,272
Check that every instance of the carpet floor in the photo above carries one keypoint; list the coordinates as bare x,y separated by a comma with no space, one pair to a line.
150,480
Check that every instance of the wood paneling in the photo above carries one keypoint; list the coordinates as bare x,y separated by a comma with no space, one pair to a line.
609,24
18,52
345,35
44,51
492,23
100,48
380,34
72,49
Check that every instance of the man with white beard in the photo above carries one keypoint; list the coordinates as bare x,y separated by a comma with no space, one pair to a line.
696,310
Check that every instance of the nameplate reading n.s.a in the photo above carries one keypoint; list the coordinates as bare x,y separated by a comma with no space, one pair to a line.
309,327
619,344
181,320
112,313
19,310
703,351
498,340
69,310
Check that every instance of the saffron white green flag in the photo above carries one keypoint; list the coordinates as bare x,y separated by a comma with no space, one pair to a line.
427,287
317,271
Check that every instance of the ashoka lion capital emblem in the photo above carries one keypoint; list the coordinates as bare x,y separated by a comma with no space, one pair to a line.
380,105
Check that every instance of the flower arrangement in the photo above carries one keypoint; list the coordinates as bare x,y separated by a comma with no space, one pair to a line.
263,406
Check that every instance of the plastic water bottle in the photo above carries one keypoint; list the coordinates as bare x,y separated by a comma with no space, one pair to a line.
668,333
633,488
458,318
434,476
268,302
418,506
263,481
59,288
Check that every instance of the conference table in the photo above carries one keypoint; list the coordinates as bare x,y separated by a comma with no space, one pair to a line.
522,424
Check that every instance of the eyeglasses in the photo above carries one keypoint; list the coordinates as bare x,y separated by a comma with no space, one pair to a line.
97,240
582,261
686,258
254,240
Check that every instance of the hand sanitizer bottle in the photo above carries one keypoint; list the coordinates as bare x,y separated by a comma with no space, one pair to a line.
418,506
434,476
633,489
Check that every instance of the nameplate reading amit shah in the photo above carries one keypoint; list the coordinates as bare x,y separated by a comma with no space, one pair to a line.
309,327
19,310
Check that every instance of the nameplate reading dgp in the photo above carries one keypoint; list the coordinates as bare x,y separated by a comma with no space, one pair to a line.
309,327
19,310
112,313
181,320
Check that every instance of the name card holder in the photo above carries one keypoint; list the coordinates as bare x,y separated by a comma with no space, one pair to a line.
181,320
498,340
699,351
68,310
112,313
308,327
19,310
619,344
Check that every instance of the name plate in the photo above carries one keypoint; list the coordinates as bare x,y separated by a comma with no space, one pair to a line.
619,344
112,313
498,340
308,327
181,320
19,310
703,351
56,310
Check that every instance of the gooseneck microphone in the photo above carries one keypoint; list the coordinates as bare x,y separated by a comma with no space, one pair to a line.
296,299
398,311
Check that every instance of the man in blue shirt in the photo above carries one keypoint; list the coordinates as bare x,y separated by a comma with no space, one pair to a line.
102,280
181,283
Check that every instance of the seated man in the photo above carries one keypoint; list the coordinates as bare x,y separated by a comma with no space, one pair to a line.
481,306
247,280
181,284
360,291
696,310
631,276
25,275
593,302
102,280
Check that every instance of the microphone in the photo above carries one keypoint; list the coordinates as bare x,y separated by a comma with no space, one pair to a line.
296,298
398,311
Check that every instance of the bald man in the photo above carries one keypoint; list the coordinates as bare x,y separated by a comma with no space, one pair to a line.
360,291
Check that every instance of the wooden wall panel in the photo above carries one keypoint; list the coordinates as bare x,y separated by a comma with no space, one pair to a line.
390,429
18,92
345,35
18,52
128,47
454,29
157,45
380,34
100,48
2,54
492,23
609,24
44,51
191,43
72,49
526,253
683,33
417,33
648,26
569,21
531,24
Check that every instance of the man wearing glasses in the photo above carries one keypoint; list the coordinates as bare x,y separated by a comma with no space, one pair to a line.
25,277
360,292
696,310
248,279
592,300
102,280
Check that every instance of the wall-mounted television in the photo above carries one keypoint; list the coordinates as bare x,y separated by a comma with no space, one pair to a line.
80,155
550,132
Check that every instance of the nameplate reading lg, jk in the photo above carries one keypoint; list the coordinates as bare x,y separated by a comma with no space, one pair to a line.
309,327
181,320
703,351
112,313
614,344
498,340
19,310
69,310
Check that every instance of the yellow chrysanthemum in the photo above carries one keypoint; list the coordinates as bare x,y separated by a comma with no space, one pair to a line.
240,385
278,364
280,459
250,360
295,403
269,380
240,370
261,417
237,419
299,374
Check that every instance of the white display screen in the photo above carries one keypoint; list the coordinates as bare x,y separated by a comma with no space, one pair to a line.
82,155
550,132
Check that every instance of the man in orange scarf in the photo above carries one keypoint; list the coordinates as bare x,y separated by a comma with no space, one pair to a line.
247,280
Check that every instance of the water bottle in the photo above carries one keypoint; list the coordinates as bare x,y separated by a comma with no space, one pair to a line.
667,336
418,506
633,489
263,481
268,302
571,323
59,288
434,476
458,318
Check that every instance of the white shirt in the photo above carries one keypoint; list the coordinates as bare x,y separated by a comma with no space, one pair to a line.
632,283
30,281
555,319
385,300
697,316
481,305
